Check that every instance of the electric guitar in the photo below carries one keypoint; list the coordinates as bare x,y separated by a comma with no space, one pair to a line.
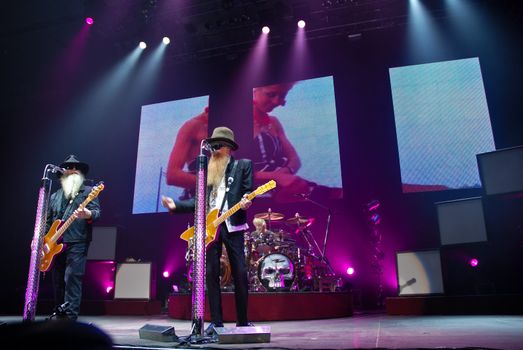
50,248
213,221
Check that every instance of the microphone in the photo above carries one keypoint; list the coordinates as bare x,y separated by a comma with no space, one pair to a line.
56,169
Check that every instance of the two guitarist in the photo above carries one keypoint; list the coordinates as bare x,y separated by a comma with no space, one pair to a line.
229,181
69,266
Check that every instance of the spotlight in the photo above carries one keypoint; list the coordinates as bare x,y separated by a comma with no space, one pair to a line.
89,20
166,274
350,271
108,289
166,40
474,262
301,23
266,30
142,45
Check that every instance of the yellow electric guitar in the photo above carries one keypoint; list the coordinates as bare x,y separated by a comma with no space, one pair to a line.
213,221
50,248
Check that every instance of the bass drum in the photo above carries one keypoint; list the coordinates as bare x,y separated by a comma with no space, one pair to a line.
276,272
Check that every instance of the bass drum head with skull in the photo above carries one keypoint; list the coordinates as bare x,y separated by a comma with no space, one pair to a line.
276,272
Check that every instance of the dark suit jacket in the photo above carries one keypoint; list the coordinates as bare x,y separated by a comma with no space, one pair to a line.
242,184
81,230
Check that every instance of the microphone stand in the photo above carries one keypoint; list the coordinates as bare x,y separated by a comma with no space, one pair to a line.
33,278
322,252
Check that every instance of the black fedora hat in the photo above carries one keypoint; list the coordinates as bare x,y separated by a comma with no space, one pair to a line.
73,161
223,134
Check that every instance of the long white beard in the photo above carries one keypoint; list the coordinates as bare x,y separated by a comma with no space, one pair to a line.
71,184
216,169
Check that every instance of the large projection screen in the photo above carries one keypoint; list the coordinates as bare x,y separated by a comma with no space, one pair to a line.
161,125
296,139
442,123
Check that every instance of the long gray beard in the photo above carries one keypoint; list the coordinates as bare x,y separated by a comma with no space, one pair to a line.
71,184
216,170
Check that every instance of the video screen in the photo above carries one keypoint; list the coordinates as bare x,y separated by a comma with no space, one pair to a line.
295,140
442,122
169,141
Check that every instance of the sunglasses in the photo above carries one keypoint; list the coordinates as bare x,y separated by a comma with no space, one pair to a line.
216,146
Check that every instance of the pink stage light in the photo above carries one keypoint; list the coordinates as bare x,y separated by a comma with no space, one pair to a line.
266,30
166,274
350,271
108,289
474,262
301,23
89,20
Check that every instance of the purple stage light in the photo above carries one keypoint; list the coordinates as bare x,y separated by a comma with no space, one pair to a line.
266,30
108,289
350,271
166,274
474,262
89,20
301,23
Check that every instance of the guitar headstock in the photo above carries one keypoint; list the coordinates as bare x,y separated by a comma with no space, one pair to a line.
96,190
266,187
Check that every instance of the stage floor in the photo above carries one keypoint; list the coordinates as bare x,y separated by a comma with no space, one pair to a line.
360,331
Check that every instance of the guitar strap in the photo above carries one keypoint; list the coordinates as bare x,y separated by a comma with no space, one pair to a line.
230,180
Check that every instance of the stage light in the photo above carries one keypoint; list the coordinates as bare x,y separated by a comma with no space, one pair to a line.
108,289
474,262
266,30
166,274
142,45
89,20
350,271
301,23
176,289
166,40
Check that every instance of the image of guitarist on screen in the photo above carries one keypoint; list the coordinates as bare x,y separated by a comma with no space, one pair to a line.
69,265
229,181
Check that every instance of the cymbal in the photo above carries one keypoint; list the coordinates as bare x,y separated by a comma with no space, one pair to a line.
298,220
269,216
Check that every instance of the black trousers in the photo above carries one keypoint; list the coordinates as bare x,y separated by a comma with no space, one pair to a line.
68,273
233,242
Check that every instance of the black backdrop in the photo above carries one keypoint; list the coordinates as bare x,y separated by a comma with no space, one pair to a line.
43,123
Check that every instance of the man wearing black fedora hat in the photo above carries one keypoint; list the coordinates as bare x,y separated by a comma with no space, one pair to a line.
228,183
69,266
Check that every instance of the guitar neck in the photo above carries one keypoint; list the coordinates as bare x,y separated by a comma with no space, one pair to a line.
232,210
65,225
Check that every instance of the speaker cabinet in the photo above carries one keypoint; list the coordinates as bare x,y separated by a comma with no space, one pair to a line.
103,244
461,221
135,280
501,171
419,272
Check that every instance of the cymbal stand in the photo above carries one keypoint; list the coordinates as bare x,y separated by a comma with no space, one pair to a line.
322,251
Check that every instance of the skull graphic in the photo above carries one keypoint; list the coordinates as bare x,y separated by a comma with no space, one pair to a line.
276,272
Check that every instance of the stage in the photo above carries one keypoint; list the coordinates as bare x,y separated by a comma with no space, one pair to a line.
361,331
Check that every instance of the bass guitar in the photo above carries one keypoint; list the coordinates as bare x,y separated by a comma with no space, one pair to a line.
50,248
213,221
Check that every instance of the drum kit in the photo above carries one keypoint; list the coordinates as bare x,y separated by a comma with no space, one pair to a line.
284,257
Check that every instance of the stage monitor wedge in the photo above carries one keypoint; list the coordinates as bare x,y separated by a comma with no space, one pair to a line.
419,272
501,171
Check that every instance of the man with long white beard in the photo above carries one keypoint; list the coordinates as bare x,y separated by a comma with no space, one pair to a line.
69,265
229,181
